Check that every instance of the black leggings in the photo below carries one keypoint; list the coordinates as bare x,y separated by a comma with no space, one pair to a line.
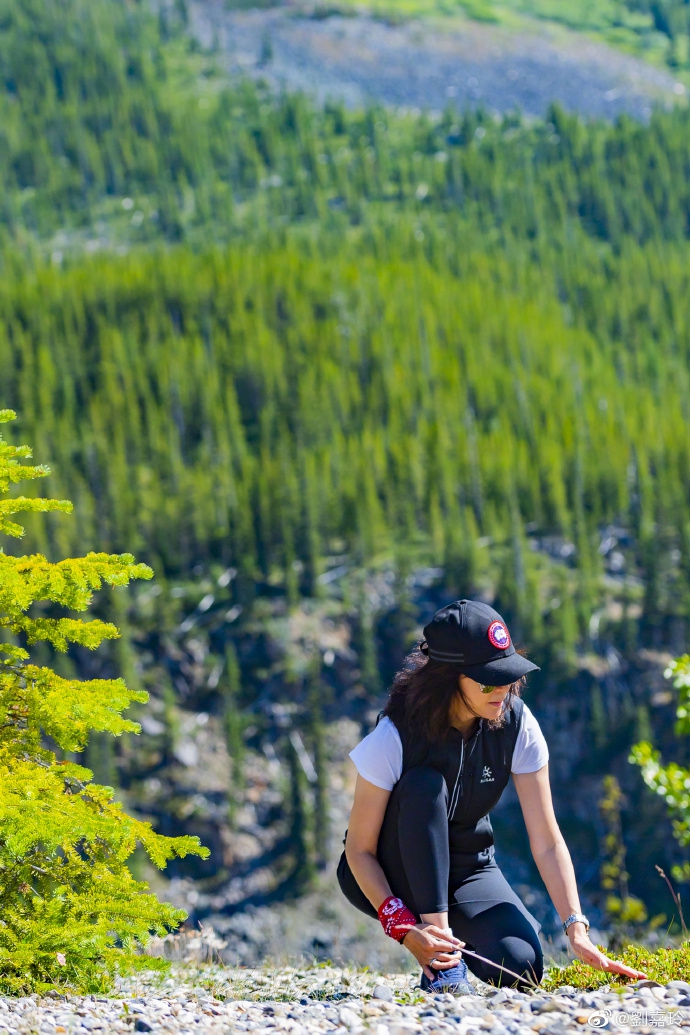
483,910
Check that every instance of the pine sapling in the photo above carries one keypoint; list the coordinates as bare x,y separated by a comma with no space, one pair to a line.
71,912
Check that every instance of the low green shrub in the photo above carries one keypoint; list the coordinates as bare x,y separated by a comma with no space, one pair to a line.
669,964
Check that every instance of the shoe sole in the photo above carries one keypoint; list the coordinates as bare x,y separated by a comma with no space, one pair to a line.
461,989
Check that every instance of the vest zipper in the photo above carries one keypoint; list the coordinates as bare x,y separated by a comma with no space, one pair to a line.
457,788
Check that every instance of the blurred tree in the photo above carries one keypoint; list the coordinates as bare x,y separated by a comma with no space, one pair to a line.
317,737
233,725
302,871
625,912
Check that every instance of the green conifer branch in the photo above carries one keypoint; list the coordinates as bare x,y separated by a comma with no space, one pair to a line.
60,632
20,503
24,580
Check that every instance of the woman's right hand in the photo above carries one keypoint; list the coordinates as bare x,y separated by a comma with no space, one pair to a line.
433,945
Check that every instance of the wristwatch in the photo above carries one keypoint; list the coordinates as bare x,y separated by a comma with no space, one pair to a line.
575,918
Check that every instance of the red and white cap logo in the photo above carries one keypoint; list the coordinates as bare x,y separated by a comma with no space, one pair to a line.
499,636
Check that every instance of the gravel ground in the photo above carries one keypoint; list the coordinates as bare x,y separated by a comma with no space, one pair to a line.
327,999
421,65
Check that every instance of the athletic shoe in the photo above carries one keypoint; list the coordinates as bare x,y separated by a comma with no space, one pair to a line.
454,979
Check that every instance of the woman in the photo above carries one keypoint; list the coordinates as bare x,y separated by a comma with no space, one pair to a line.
419,850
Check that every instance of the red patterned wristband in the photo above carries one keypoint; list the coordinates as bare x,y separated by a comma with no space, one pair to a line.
396,919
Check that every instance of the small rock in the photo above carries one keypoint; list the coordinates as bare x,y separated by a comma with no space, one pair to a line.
645,997
648,983
589,999
559,1005
472,1023
383,992
685,1001
349,1018
141,1025
682,986
500,996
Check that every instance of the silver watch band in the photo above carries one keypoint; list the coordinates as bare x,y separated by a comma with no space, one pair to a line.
575,918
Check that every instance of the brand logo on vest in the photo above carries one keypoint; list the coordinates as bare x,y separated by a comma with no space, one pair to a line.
498,634
487,775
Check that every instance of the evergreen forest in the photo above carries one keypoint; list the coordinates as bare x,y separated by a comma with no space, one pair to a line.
333,366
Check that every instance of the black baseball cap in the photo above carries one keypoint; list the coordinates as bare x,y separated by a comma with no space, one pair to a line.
473,636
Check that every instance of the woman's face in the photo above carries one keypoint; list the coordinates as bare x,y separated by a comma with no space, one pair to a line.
484,705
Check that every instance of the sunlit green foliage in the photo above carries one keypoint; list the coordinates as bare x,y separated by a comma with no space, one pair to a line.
71,913
662,965
90,108
671,17
671,781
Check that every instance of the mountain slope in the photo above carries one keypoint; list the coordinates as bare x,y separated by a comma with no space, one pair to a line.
509,60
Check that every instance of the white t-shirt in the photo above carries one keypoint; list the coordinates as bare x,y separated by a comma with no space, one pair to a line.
379,757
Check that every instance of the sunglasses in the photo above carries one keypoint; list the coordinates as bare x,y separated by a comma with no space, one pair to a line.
490,689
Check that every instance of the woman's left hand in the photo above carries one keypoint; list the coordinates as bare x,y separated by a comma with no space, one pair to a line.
593,957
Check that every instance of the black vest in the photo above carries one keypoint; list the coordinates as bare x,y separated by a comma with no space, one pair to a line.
476,774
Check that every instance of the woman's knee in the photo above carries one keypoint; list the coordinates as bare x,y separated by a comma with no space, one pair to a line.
505,936
521,956
514,962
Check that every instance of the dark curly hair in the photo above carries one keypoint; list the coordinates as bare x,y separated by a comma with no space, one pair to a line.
422,692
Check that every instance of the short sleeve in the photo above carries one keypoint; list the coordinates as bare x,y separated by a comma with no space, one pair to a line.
531,751
378,758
